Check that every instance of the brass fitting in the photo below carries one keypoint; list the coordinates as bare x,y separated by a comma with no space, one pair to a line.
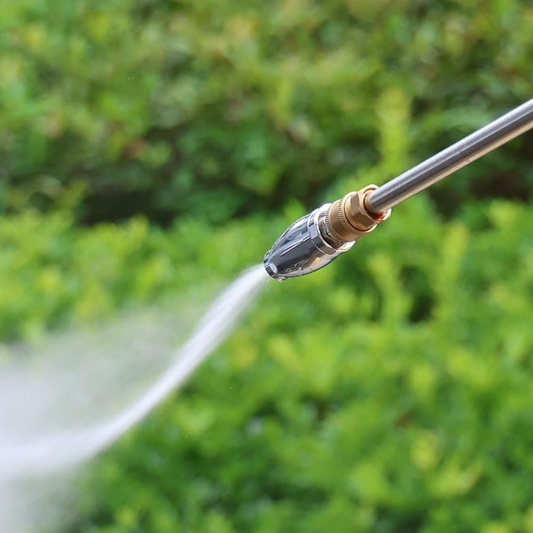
349,219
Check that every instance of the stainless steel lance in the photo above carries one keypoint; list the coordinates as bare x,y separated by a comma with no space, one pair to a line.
453,158
319,237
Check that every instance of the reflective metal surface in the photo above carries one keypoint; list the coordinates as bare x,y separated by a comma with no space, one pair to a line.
453,158
302,248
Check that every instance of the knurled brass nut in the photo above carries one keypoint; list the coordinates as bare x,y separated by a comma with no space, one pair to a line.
348,219
356,212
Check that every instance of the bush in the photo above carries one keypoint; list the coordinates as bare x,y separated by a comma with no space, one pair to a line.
390,392
220,109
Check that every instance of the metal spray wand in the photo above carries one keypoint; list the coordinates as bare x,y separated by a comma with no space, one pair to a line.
319,237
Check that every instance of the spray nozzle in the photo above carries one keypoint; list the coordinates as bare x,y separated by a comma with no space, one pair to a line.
316,239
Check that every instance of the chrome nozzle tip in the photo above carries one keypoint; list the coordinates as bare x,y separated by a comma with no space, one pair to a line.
302,248
270,268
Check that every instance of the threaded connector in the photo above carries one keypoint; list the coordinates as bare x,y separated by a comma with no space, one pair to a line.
348,218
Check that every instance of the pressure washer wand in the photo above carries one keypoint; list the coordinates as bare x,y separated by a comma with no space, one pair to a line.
319,237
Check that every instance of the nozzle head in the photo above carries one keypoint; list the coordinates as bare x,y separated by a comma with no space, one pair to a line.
315,240
302,248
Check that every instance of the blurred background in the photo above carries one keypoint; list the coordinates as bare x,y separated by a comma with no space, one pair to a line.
141,141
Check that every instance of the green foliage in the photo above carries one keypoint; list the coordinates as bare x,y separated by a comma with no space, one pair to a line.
390,392
220,108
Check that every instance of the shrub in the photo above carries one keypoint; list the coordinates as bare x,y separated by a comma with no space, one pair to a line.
389,392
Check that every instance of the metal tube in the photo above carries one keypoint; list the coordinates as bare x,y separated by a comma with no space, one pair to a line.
451,159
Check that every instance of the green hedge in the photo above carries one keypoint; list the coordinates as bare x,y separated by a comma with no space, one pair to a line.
223,108
390,392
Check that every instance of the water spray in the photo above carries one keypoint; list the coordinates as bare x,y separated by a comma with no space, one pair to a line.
315,240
